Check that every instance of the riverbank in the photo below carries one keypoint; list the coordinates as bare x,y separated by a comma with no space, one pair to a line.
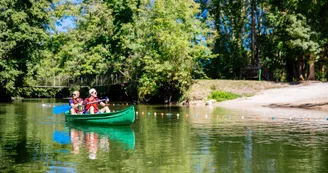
306,95
312,95
200,90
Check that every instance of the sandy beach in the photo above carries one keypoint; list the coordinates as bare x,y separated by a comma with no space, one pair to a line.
310,96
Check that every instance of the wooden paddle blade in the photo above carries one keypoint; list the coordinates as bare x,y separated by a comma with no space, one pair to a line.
61,109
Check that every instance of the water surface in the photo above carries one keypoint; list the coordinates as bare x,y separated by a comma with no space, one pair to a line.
175,139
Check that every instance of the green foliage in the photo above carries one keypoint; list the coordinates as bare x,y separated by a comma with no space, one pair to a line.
164,45
32,92
157,45
222,95
230,21
22,36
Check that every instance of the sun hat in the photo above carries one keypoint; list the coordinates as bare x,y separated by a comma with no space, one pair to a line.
92,90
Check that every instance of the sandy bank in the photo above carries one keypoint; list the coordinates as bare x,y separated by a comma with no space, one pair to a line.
309,96
201,89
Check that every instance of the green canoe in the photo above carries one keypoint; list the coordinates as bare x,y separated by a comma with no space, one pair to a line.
123,117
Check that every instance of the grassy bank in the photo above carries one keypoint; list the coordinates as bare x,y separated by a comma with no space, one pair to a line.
220,96
202,89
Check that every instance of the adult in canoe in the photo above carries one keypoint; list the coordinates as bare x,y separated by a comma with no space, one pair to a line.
75,102
91,103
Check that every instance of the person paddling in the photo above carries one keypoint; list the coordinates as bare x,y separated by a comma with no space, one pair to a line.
75,102
91,103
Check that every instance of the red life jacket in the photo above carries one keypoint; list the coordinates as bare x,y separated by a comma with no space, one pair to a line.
95,105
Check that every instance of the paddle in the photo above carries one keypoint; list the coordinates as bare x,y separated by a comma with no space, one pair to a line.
63,108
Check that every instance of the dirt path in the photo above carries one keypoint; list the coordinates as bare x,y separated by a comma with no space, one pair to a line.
313,95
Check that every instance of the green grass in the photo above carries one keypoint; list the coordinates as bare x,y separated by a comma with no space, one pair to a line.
220,96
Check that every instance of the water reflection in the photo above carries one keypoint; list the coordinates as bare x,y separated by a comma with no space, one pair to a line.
100,137
248,152
91,140
35,139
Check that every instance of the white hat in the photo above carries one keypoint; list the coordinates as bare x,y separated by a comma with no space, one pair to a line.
92,90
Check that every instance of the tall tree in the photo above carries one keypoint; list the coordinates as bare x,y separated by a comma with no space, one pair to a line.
230,22
167,44
23,33
253,23
295,39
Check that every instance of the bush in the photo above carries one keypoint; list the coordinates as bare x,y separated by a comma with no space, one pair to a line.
222,96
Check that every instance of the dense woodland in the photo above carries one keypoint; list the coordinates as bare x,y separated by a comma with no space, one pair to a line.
161,45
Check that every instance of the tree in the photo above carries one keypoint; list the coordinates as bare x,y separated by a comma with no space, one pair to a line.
232,44
84,50
293,39
167,44
22,36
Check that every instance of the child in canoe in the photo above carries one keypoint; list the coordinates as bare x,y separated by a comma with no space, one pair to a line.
91,103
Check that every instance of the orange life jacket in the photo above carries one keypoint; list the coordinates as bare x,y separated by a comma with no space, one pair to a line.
88,106
75,101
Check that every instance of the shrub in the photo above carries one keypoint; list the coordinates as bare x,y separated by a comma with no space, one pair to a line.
222,95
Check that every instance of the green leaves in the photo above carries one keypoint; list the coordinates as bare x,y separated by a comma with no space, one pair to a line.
21,34
159,46
164,46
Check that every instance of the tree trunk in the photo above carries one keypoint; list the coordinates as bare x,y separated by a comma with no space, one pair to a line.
324,67
323,72
304,68
253,32
5,95
300,68
259,25
295,75
289,69
311,69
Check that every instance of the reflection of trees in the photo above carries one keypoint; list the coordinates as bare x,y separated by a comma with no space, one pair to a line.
164,144
238,145
248,155
22,155
155,142
14,130
17,148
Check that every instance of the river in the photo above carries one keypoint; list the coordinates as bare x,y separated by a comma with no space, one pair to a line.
163,139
